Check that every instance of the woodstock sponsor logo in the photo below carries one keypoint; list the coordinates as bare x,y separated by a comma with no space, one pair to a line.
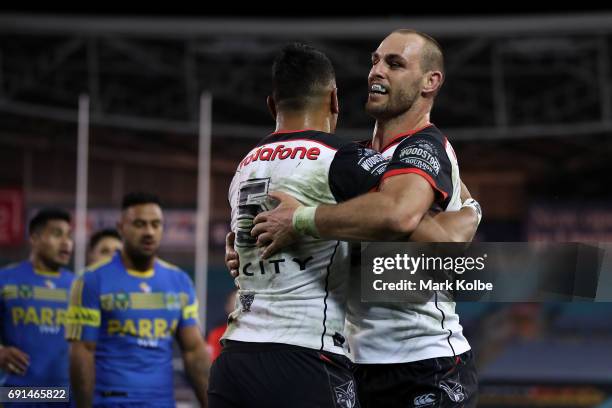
373,162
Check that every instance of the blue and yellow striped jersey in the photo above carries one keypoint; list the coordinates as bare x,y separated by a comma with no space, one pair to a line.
33,311
132,316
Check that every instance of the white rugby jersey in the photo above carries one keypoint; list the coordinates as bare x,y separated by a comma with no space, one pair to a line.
298,296
395,332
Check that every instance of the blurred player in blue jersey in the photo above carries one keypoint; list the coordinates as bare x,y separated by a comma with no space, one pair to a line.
123,314
33,303
103,244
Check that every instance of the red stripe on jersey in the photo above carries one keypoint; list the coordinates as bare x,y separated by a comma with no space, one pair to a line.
325,358
421,173
398,138
281,132
304,139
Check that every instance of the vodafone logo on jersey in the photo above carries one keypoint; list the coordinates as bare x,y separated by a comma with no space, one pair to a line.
281,152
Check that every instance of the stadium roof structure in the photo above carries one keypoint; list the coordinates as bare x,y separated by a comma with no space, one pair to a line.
507,77
528,95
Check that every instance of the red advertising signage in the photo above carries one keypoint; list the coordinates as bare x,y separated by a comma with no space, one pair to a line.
11,217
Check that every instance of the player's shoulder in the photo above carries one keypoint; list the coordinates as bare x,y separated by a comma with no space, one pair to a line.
101,265
430,134
172,272
170,268
427,141
67,275
16,272
12,267
101,269
360,156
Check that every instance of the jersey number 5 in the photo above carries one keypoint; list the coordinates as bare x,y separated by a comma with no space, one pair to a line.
251,200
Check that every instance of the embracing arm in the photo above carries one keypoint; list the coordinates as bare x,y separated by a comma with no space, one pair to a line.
396,212
393,212
451,226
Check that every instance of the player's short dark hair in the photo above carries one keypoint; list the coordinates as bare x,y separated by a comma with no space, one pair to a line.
137,198
432,58
300,72
103,233
42,217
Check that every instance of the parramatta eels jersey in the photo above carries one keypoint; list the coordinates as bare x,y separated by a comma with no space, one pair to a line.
33,306
398,332
132,317
298,295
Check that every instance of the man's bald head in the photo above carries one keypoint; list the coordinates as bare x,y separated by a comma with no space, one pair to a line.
432,58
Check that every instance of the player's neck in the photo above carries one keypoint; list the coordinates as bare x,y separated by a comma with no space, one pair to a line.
137,264
287,122
385,130
39,264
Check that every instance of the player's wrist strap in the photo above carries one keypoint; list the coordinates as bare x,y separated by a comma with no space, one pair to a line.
473,204
304,221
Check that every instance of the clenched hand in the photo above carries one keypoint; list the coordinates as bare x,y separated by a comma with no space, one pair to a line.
274,229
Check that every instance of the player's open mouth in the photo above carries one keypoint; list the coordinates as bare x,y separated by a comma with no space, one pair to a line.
378,89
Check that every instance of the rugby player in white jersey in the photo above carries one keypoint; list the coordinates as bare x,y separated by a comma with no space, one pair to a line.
284,345
408,354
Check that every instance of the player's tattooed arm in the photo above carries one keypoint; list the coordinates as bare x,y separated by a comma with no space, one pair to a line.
195,360
82,372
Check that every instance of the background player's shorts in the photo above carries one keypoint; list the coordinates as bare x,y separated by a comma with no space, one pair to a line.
433,383
270,375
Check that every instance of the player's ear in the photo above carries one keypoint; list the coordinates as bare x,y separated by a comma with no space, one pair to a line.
271,106
433,82
335,105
